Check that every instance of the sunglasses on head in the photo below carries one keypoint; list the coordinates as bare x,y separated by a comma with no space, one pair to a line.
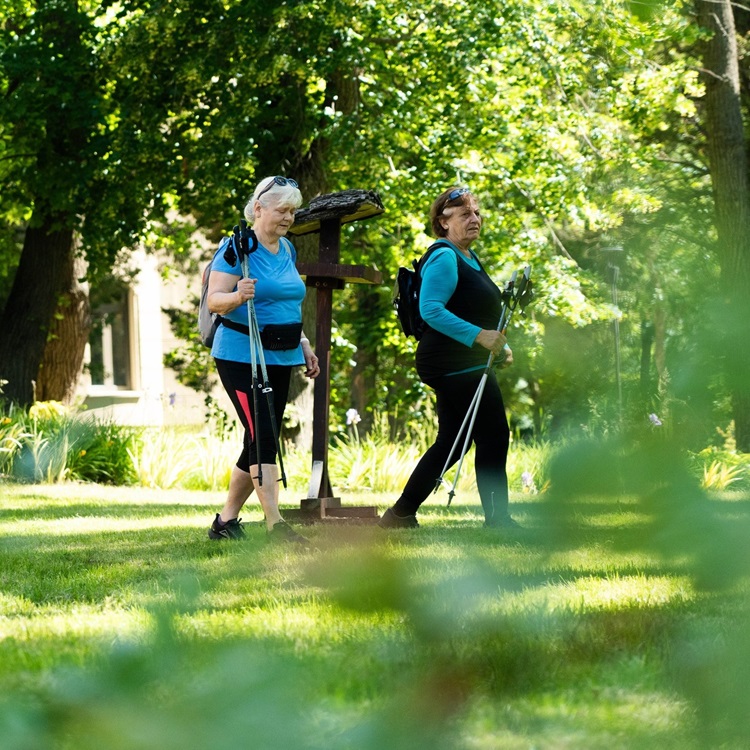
457,193
278,180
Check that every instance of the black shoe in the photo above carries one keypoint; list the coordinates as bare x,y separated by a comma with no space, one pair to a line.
282,532
229,530
391,521
502,522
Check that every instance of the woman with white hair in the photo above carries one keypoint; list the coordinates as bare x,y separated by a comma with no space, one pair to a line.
277,291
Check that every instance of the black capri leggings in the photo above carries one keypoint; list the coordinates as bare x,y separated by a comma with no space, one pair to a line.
237,379
491,437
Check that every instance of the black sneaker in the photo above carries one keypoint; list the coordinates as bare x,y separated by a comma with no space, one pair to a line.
229,530
390,520
502,522
282,532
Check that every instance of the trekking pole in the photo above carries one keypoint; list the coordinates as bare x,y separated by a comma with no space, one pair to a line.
267,391
512,296
477,395
242,248
258,357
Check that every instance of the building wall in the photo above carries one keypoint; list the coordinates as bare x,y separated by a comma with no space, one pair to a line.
152,396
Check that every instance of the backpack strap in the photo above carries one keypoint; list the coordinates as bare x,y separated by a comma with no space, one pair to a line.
430,250
220,320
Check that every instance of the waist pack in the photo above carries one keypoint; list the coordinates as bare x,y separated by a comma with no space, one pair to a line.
281,336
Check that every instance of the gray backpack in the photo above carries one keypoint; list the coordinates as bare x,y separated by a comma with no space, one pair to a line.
207,321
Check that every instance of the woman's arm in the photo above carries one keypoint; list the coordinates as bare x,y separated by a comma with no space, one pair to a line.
226,292
439,279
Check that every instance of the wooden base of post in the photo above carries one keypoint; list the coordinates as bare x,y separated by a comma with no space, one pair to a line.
330,509
313,508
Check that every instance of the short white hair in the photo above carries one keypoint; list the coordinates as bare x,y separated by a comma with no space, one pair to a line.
272,194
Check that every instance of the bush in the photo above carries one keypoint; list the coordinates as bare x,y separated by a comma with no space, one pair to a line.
721,469
49,443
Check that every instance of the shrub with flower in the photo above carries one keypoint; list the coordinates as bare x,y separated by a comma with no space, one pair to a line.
48,410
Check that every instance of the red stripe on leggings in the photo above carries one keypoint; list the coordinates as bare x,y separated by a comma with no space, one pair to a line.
245,404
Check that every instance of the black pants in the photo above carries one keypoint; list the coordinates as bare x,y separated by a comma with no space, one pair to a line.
491,437
237,379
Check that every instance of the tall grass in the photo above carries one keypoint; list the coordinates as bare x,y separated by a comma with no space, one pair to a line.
52,444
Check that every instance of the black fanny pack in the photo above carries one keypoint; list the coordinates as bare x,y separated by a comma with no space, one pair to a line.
281,336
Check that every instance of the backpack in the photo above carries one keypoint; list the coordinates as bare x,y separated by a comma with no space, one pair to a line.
406,295
208,322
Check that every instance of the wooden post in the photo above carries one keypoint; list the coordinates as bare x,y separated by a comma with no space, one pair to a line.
325,215
330,232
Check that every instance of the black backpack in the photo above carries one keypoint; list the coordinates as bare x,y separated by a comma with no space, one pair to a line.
406,295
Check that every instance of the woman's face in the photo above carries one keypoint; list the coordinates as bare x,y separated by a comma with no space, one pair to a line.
462,223
275,218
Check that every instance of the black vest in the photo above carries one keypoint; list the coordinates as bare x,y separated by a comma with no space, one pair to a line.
476,299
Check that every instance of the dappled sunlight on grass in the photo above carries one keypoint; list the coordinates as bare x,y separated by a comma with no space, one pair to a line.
594,593
630,714
76,622
101,524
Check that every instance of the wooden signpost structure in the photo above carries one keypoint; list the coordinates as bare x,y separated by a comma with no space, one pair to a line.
325,215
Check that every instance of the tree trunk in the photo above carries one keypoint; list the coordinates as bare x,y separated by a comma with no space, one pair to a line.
311,178
63,356
26,319
647,344
729,177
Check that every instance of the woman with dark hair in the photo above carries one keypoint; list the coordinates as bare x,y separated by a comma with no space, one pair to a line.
461,306
277,291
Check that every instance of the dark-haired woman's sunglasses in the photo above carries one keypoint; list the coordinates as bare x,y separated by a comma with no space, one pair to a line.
278,180
457,193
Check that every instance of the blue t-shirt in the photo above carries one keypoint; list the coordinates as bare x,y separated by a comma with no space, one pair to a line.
279,292
439,279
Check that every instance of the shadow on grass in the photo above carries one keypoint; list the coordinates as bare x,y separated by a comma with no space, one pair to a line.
102,509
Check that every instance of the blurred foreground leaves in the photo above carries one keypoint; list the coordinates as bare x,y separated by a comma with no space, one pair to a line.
709,659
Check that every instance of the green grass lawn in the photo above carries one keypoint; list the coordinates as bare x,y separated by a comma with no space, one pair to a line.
123,626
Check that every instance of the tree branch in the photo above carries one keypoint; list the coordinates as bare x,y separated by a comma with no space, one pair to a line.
550,227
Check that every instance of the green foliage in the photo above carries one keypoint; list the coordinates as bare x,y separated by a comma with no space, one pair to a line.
575,123
51,444
721,469
719,476
193,364
192,361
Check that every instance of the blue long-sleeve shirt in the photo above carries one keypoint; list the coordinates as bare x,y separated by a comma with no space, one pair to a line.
439,279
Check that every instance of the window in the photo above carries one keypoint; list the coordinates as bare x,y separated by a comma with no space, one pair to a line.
110,343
